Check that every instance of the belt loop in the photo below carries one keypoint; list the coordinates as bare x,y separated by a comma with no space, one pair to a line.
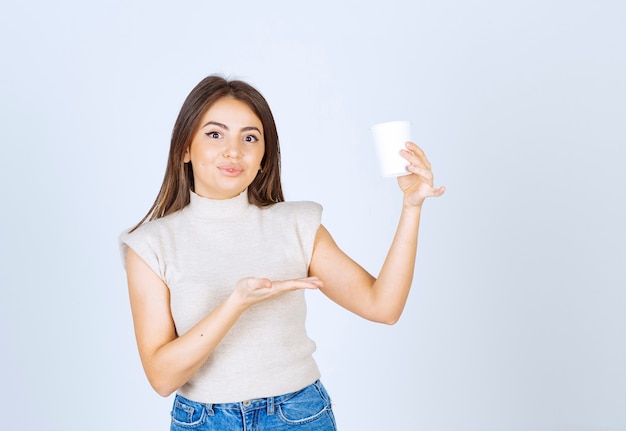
270,406
209,409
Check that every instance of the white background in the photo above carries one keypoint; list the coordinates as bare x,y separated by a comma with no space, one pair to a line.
516,318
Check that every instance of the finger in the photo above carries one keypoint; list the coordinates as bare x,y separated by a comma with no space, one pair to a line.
418,152
312,278
438,192
287,285
314,281
415,158
256,283
425,173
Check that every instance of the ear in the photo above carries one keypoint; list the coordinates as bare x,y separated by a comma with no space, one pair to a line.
187,156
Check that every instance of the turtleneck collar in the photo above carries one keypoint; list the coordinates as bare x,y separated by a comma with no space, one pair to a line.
219,209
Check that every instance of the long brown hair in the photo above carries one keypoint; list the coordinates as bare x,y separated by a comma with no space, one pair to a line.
266,188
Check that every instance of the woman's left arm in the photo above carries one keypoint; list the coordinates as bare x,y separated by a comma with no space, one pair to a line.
348,284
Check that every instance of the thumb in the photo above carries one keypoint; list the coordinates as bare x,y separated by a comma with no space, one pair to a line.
438,192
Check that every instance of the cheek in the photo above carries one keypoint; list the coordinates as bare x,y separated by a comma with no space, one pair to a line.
200,161
202,157
261,154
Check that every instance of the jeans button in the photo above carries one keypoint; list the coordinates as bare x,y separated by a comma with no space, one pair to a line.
246,403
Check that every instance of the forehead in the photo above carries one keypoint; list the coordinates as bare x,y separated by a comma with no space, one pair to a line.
231,111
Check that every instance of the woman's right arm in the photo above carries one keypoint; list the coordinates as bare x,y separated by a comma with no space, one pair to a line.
169,360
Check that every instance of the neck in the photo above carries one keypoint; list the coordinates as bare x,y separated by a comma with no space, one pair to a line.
219,209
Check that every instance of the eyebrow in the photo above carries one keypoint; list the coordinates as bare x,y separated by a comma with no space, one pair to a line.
224,126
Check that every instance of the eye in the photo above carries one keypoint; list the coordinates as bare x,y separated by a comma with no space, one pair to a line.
214,135
250,138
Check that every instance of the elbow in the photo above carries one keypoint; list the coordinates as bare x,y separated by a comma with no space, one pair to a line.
163,379
162,388
385,319
161,384
163,391
390,321
389,315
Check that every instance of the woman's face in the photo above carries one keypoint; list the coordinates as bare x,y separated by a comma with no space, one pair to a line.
226,151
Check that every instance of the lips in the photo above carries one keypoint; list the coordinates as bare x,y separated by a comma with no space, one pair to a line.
231,170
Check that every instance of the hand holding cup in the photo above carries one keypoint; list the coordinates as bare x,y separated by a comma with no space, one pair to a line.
399,157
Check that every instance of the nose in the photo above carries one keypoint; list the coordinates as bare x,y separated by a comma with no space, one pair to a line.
231,149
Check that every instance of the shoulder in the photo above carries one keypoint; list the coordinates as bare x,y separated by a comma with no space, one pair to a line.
299,220
298,211
149,238
297,207
303,216
151,229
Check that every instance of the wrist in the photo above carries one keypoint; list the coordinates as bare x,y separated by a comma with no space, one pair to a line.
412,206
235,303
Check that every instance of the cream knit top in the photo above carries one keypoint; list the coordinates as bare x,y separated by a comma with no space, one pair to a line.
200,252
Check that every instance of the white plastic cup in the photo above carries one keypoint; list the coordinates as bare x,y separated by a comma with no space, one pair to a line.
389,139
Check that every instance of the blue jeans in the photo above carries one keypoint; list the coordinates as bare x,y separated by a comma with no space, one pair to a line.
308,409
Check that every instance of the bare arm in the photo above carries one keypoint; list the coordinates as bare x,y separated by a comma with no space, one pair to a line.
170,360
379,299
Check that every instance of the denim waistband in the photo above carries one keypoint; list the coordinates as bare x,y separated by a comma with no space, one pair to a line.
267,403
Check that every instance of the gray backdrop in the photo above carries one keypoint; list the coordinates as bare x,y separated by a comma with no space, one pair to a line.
516,318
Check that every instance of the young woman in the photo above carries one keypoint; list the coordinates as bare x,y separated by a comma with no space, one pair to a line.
218,267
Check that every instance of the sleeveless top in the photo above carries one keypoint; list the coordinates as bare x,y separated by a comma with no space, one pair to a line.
200,252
